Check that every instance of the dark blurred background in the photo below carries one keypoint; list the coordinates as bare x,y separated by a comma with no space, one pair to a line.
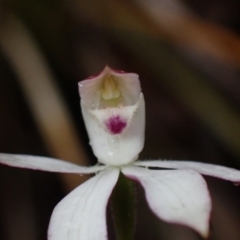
187,54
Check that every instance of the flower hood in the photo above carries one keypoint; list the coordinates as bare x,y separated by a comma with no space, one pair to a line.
113,109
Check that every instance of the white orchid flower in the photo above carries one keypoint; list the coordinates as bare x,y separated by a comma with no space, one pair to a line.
114,113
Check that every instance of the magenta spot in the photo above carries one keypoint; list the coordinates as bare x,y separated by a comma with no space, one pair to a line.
116,125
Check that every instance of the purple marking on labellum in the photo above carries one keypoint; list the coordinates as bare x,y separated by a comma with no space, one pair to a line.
116,125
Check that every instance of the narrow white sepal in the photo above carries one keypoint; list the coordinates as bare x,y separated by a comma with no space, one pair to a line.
212,170
176,196
81,215
45,164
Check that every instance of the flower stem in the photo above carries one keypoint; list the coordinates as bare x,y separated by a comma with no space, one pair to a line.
123,208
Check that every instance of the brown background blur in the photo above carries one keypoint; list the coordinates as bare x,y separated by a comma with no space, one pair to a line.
187,54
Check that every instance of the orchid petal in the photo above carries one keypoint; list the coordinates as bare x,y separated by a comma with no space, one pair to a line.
212,170
179,196
81,215
45,164
117,149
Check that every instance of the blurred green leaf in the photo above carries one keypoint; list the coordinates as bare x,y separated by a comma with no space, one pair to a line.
123,208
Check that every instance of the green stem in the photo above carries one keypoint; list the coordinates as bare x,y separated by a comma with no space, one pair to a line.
123,208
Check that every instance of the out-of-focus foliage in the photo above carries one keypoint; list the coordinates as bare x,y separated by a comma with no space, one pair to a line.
187,54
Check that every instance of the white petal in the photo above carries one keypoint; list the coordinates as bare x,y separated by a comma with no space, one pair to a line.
117,149
81,215
212,170
45,164
176,196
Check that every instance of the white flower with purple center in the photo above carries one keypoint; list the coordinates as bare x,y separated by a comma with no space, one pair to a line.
114,113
